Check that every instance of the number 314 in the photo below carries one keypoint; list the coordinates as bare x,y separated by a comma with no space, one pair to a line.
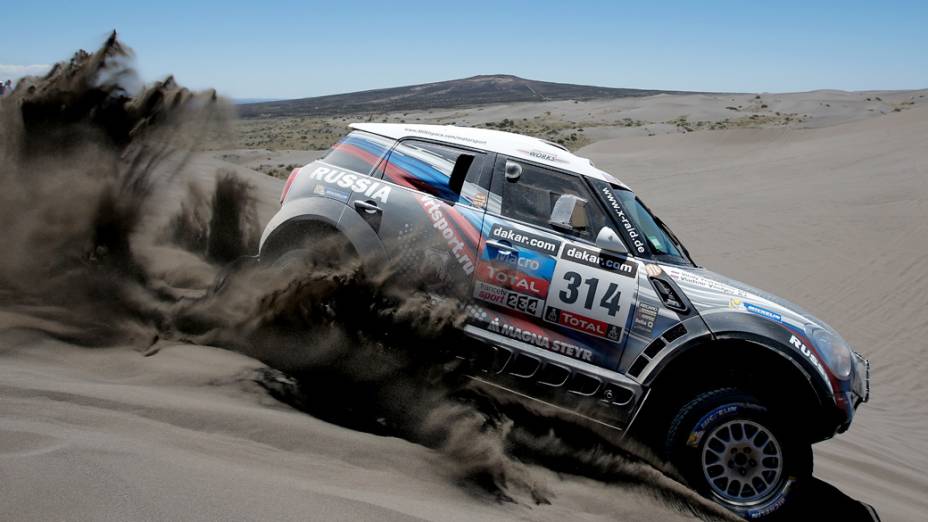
609,300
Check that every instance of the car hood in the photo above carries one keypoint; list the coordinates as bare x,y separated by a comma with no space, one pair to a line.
710,292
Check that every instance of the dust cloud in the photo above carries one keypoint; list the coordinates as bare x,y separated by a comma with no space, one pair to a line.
88,153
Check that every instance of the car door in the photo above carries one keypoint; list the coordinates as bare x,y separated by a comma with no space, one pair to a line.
431,217
546,285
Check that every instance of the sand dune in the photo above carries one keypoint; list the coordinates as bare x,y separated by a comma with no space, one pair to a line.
836,220
106,434
832,215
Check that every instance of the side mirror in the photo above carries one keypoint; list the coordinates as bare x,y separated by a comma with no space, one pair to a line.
513,171
569,214
609,241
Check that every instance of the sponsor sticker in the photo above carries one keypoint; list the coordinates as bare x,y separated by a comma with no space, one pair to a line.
329,192
527,261
508,299
510,279
579,289
735,303
542,155
490,293
645,317
527,334
619,212
525,239
479,198
601,260
763,312
439,134
584,324
688,278
434,209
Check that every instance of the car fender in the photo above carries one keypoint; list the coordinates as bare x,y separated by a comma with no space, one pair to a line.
332,213
732,325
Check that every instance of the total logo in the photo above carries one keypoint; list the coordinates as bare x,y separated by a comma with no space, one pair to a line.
514,280
793,340
583,324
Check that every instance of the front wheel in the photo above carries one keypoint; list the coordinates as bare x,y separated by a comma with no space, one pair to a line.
731,448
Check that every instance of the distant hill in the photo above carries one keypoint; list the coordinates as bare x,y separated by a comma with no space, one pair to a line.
242,101
469,92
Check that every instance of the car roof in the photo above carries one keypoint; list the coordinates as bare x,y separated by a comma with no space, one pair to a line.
508,143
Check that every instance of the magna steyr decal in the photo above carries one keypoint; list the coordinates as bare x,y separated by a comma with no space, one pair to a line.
539,340
599,260
537,243
626,224
481,317
371,188
793,340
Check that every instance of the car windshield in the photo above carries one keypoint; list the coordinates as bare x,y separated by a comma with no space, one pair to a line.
648,235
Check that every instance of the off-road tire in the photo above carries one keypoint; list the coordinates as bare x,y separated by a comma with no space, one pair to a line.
757,472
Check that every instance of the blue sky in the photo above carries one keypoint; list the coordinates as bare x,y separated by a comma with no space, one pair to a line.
266,49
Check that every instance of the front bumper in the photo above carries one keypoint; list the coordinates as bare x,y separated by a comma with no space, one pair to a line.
852,396
860,385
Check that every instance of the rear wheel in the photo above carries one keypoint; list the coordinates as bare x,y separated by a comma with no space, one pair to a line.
309,244
731,448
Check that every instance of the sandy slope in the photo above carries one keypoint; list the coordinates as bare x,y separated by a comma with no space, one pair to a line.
106,434
836,220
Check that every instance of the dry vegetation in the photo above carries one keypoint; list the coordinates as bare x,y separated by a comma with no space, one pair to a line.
569,124
307,133
567,133
290,133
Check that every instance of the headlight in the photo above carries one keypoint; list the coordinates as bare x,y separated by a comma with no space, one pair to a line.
835,350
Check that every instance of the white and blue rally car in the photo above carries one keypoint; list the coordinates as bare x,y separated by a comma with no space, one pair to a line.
586,301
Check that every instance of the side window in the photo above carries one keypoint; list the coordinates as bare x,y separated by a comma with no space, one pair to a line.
531,195
359,152
427,167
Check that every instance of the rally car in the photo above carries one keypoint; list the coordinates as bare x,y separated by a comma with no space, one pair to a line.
586,302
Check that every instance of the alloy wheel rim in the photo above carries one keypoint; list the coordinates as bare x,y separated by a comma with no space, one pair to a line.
742,462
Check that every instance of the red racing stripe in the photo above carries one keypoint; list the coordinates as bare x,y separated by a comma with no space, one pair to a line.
369,158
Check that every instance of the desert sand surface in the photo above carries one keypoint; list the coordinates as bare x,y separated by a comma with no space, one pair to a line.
830,212
834,219
106,434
